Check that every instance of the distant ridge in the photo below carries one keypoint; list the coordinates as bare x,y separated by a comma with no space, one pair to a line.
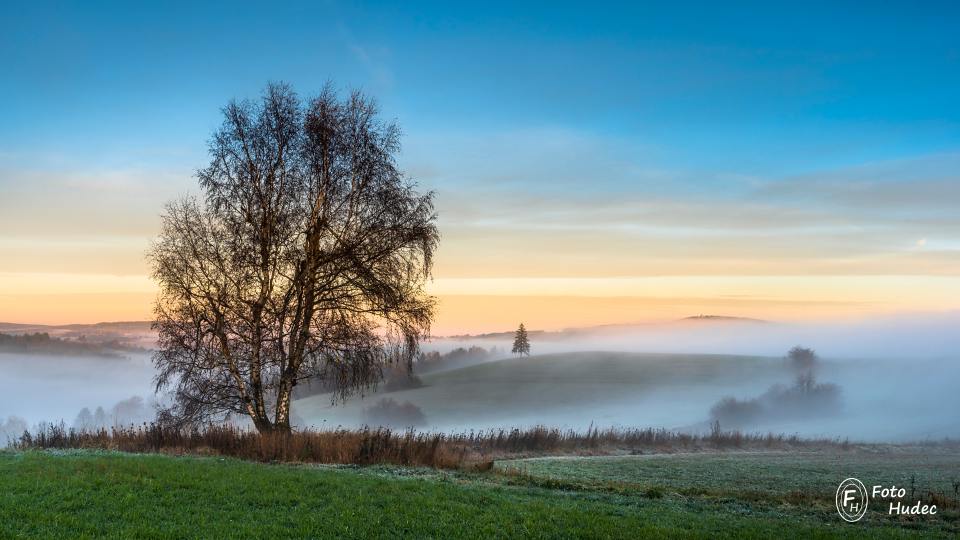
126,333
499,335
112,329
111,325
579,331
722,318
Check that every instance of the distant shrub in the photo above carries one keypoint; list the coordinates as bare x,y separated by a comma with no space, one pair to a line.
457,358
802,359
391,413
313,387
804,399
401,380
84,421
730,411
133,410
11,429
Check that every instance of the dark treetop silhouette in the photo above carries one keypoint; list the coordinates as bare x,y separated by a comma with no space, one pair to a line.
521,343
306,257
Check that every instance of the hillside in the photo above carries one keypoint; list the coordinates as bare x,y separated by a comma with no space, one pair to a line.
569,389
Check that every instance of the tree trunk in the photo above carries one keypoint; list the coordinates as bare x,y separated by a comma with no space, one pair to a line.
263,425
282,422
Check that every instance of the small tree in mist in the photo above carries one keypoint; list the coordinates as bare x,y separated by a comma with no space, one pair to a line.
521,343
84,420
305,258
802,358
100,419
11,430
804,362
806,398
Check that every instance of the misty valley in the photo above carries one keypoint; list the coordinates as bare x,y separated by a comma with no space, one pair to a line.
569,382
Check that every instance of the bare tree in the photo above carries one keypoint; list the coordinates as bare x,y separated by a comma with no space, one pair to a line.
521,343
804,362
305,258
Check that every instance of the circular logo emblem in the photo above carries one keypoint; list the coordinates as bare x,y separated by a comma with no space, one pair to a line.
852,500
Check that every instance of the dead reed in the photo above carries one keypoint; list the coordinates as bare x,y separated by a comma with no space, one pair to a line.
369,446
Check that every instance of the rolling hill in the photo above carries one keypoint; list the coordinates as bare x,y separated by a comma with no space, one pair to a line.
568,389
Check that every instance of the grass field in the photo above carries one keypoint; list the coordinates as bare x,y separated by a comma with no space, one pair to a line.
86,494
805,482
769,473
569,390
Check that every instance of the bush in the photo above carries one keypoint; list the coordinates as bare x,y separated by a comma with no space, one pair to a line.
401,380
802,400
390,413
730,411
457,358
805,399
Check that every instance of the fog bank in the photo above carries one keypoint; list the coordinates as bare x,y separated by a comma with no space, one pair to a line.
41,388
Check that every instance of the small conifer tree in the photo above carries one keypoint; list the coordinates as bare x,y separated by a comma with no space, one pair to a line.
521,344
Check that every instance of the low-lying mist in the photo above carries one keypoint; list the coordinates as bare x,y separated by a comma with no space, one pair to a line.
38,388
891,379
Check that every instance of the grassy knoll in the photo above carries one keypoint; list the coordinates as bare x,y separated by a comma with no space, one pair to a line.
572,389
88,494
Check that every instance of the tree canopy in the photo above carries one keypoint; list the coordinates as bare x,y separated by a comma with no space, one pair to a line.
305,257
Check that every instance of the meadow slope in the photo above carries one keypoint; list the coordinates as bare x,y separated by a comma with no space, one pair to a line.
568,390
88,494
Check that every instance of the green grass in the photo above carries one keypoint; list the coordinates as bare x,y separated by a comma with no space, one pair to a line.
605,388
769,472
805,481
85,494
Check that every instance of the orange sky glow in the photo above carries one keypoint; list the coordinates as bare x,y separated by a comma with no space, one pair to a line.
478,305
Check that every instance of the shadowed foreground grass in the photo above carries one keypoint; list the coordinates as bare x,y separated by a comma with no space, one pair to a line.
93,494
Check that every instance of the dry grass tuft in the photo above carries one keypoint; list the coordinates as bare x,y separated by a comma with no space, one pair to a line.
474,450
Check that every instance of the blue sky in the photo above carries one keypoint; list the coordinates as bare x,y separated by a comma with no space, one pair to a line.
700,138
755,89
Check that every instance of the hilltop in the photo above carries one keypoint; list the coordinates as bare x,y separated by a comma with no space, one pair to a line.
577,332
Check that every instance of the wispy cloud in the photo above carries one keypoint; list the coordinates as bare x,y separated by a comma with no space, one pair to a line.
920,185
558,202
